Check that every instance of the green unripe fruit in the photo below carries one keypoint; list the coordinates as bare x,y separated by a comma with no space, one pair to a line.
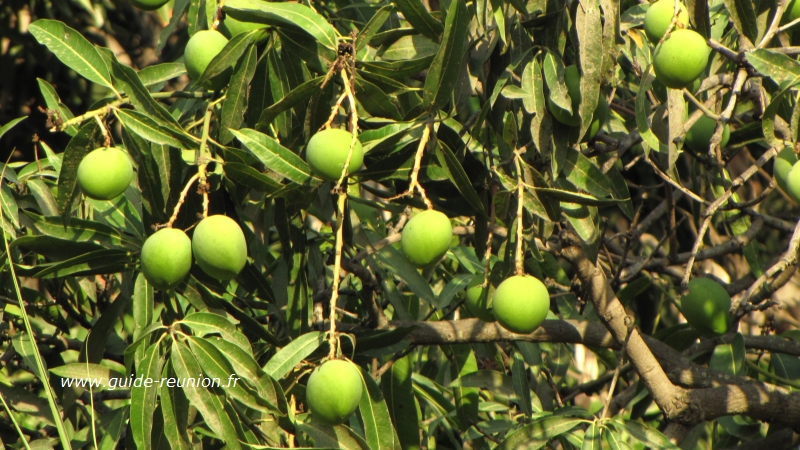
230,27
706,307
793,182
200,50
792,12
327,152
659,16
679,60
783,165
166,258
219,247
334,391
105,173
426,238
520,303
698,138
476,302
149,5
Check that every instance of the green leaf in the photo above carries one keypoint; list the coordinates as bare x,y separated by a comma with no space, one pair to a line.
589,30
554,76
154,131
743,17
111,432
397,263
119,213
295,15
72,49
245,366
275,156
288,357
443,74
296,96
236,99
81,231
178,11
451,289
781,68
459,177
53,102
649,140
585,174
592,438
729,358
250,177
205,323
378,429
27,350
398,392
375,101
540,431
143,399
228,56
128,80
143,294
217,367
8,205
398,69
159,73
105,261
373,26
207,401
76,149
785,366
336,436
521,385
415,13
648,436
491,380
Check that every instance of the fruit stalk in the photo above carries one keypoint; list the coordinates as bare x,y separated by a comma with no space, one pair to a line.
104,130
333,340
674,21
519,268
414,180
353,126
202,159
182,199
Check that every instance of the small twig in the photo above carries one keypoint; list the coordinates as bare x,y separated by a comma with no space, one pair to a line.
550,381
519,268
414,181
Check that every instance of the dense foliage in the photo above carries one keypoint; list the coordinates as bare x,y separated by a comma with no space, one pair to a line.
564,159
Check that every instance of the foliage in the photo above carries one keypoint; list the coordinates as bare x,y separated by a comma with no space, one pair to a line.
447,99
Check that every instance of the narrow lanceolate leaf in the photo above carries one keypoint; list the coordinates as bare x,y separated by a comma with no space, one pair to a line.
284,361
217,367
143,294
649,140
648,436
378,428
205,400
294,15
398,391
93,374
744,18
373,26
402,267
446,65
54,104
590,52
541,430
8,205
72,49
458,176
10,125
419,18
250,177
204,323
297,95
584,174
159,73
554,77
236,100
781,68
592,438
228,56
178,10
336,436
521,385
127,80
77,148
25,348
143,399
154,131
275,156
729,358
